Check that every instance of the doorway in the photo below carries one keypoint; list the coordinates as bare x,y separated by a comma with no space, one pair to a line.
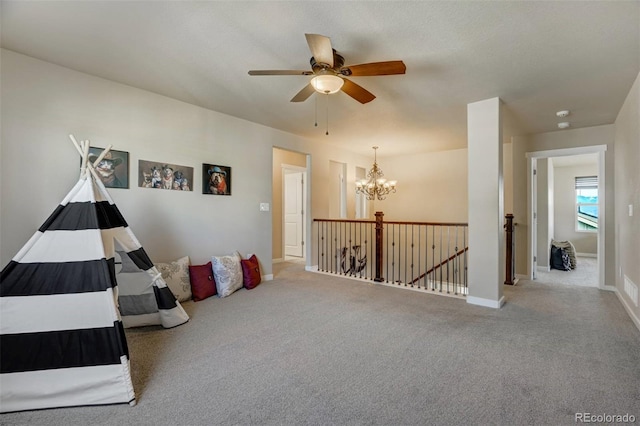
285,161
545,212
294,200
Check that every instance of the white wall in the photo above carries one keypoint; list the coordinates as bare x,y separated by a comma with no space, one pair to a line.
627,188
432,186
42,103
565,208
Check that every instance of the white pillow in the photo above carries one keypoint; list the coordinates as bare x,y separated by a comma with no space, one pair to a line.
176,275
227,272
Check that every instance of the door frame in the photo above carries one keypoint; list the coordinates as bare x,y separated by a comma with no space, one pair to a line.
531,160
286,168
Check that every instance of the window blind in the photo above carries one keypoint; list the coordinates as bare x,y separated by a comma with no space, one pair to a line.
586,182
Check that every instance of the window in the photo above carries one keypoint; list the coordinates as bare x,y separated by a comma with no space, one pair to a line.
587,203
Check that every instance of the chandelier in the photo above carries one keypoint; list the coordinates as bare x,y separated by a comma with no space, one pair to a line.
376,186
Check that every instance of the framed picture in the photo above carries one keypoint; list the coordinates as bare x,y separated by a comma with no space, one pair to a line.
152,174
216,180
113,169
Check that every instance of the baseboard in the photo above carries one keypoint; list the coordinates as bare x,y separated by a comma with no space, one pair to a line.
278,260
312,268
523,277
609,288
543,269
267,277
586,255
629,310
488,303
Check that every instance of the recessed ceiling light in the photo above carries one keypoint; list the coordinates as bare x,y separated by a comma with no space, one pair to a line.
563,125
562,114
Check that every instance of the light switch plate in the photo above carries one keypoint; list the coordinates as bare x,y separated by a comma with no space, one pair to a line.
630,209
264,207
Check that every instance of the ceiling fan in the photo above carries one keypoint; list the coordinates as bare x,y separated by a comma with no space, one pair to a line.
327,67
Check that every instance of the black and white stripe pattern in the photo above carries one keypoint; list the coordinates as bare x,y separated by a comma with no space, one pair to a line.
62,342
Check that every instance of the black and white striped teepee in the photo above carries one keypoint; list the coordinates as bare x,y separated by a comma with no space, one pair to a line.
62,342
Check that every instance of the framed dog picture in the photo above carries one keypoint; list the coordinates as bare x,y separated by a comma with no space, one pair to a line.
156,175
216,180
113,169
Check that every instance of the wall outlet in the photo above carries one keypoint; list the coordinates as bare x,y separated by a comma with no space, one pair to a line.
264,207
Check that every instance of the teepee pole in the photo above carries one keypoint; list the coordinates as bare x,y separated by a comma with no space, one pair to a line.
85,156
102,155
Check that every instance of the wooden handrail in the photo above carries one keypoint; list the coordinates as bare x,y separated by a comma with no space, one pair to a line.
393,222
440,264
344,220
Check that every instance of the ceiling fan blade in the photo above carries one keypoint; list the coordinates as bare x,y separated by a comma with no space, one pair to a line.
304,94
321,49
375,68
357,92
280,72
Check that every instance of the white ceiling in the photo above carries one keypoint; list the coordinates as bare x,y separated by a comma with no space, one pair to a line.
539,57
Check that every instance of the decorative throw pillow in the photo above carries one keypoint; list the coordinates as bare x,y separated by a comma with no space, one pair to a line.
227,273
251,272
202,283
176,275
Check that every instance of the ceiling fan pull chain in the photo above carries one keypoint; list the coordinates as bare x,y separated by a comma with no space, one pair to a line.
316,99
327,133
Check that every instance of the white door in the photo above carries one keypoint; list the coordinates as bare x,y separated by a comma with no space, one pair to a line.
293,213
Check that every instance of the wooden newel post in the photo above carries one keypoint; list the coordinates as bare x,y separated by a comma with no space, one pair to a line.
509,261
379,253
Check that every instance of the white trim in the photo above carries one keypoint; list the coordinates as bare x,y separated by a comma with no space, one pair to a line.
312,268
609,288
628,308
593,149
586,255
566,151
278,260
523,277
268,277
543,268
488,303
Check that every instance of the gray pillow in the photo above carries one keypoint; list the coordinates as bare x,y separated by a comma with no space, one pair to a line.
176,275
227,272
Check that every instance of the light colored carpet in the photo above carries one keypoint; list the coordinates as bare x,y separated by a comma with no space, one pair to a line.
306,348
585,274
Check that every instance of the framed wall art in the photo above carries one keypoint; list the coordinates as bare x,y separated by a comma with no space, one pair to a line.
113,169
216,180
152,174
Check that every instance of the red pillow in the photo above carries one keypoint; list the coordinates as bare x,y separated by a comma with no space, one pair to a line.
202,283
250,272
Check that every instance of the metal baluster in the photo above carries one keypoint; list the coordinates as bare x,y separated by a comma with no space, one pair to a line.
412,250
433,256
419,251
448,255
456,264
466,284
393,256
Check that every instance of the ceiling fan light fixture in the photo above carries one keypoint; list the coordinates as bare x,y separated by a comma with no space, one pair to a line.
327,83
